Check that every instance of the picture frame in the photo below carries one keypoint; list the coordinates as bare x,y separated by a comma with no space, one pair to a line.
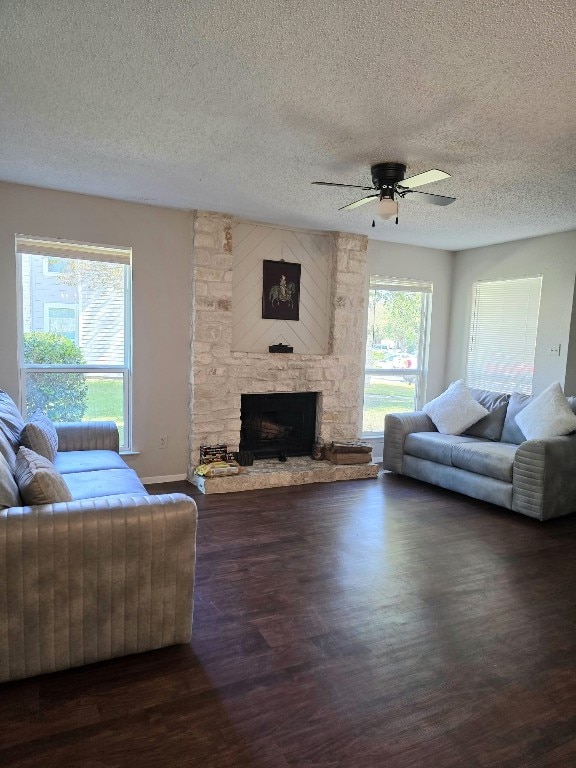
281,290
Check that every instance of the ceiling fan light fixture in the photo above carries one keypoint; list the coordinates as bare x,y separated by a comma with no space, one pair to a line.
387,208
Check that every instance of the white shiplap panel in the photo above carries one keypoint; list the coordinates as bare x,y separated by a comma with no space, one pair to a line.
252,244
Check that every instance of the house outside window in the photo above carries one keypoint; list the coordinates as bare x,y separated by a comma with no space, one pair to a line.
75,331
63,319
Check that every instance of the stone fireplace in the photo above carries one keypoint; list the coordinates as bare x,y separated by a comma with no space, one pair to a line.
220,375
278,424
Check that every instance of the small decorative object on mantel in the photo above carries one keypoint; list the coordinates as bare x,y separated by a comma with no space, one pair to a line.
280,348
281,290
353,452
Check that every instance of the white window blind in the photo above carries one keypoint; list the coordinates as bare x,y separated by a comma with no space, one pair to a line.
503,332
65,250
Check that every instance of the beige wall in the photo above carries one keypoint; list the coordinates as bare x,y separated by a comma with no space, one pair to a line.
552,256
427,264
160,239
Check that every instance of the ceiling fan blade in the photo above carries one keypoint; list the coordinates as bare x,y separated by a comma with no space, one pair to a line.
426,197
424,178
332,184
358,203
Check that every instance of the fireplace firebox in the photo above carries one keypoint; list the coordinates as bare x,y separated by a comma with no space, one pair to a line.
278,424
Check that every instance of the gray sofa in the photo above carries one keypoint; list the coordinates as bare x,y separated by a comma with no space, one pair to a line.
108,574
491,461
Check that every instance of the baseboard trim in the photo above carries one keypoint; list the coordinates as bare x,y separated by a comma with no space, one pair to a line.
162,479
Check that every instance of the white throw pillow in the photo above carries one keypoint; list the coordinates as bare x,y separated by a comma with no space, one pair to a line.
455,410
548,415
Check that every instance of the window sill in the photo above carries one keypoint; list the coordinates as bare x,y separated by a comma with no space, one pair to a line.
129,453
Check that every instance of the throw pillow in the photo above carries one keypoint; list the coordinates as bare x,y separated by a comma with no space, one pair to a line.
455,410
7,451
38,479
11,422
9,495
40,435
547,415
512,432
490,427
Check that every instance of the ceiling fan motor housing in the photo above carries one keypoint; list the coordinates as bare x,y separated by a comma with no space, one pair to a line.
386,175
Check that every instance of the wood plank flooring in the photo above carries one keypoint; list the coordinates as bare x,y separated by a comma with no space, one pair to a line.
368,624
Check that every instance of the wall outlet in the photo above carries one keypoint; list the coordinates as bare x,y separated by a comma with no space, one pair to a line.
163,441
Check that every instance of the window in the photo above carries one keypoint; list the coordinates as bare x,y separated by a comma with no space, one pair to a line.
396,349
75,331
503,332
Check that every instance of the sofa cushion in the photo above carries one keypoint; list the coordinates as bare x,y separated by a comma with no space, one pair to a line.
490,427
459,480
485,458
11,422
103,482
40,435
455,409
434,446
547,415
39,482
7,451
512,432
87,461
9,494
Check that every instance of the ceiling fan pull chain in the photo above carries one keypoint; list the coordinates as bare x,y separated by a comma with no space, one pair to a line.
396,219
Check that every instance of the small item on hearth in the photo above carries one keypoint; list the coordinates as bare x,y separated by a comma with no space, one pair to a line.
217,469
348,458
244,458
282,456
209,453
353,446
280,348
318,450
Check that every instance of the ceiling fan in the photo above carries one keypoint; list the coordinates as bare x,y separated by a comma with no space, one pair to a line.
388,184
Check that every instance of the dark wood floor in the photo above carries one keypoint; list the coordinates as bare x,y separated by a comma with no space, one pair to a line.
367,624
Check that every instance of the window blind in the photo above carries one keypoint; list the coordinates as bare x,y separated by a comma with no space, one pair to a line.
379,283
64,250
503,332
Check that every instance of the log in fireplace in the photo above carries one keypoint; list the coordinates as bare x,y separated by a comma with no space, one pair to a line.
278,424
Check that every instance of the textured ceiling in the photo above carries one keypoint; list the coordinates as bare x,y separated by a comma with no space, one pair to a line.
237,106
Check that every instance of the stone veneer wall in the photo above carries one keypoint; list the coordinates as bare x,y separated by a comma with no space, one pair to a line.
220,376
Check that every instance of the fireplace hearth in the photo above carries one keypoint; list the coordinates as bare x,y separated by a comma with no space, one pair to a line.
275,425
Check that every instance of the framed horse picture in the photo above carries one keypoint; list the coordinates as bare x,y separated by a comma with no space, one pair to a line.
281,290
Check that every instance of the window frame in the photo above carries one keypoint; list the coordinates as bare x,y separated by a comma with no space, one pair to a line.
420,374
27,245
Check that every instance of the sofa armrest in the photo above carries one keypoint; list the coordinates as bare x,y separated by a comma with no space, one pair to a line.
544,477
88,580
88,436
396,427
